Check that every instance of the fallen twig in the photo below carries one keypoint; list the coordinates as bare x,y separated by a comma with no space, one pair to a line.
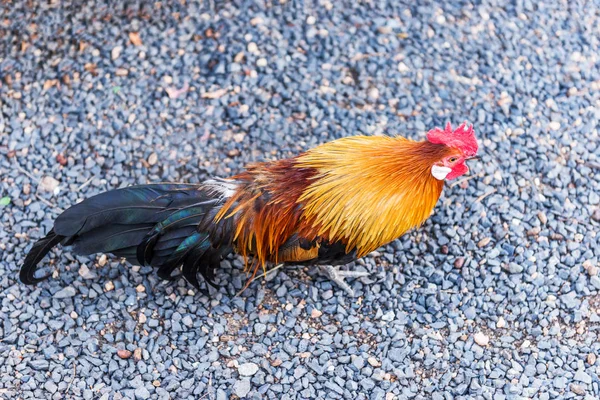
72,378
263,275
33,178
84,184
48,203
483,196
468,178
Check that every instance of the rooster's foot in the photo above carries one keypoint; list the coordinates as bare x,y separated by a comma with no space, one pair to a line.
335,274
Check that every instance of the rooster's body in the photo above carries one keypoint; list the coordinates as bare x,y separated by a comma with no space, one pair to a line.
328,206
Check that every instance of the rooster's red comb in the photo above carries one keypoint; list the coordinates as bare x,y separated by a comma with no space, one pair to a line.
462,138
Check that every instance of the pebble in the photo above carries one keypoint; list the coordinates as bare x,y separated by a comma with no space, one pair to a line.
248,369
116,52
582,376
142,393
554,125
85,272
124,354
577,389
481,339
591,359
66,292
49,184
261,62
241,388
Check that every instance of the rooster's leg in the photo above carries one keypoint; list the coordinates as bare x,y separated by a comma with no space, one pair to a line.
335,274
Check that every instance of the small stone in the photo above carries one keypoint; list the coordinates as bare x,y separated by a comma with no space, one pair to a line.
259,328
49,184
459,262
85,272
116,52
142,393
591,358
137,354
142,318
140,288
577,389
484,242
358,362
481,339
102,260
50,386
310,20
276,362
501,323
61,159
252,48
542,217
402,68
124,354
582,376
261,62
74,315
373,362
397,355
256,21
239,137
373,94
153,159
514,268
122,72
554,125
69,291
248,369
108,286
315,313
388,316
241,388
39,365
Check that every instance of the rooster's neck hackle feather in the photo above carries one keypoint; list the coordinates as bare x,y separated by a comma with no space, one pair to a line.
369,190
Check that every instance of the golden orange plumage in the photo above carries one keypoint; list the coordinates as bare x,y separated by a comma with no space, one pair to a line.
362,191
369,190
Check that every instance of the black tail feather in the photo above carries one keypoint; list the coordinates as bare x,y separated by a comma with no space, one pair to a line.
165,226
35,255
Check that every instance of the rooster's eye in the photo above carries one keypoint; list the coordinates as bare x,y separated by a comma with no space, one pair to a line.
452,159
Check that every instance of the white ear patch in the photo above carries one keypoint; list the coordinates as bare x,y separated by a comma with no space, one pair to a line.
440,173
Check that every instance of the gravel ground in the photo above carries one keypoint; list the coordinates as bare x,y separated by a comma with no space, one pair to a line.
495,297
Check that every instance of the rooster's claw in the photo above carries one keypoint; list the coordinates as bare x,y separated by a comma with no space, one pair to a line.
335,274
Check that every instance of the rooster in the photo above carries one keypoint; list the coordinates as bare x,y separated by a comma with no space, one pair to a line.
328,206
